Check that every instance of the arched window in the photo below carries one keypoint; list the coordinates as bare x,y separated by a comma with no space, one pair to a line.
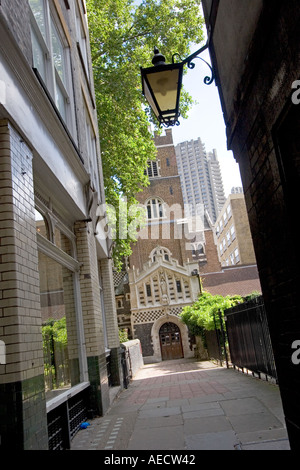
164,252
197,249
200,249
155,208
42,226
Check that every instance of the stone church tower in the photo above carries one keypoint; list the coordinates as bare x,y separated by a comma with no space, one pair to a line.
163,273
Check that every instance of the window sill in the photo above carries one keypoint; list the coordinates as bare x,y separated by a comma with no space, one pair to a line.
65,396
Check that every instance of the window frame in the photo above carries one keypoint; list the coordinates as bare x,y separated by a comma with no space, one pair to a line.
156,206
52,81
48,248
153,169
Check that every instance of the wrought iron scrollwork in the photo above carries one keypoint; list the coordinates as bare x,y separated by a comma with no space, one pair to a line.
189,61
169,123
207,80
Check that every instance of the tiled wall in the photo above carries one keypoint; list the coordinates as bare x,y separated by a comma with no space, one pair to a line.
21,378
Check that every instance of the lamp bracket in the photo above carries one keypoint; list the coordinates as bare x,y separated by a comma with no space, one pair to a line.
189,61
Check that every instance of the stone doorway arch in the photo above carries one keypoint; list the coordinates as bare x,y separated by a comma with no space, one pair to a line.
155,336
170,341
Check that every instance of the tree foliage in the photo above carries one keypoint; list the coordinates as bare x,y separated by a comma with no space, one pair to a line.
202,315
123,335
123,34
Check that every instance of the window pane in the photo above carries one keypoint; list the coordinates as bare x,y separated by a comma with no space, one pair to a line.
63,242
58,52
149,210
148,289
60,101
38,56
37,7
41,224
61,364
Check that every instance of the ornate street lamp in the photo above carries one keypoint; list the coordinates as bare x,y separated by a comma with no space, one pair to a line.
162,85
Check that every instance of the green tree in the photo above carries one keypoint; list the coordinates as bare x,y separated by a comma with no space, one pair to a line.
123,335
202,315
123,34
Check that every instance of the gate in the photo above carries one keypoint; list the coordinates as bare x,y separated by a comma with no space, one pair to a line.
249,339
170,342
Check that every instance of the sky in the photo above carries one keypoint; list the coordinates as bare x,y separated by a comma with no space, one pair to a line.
206,121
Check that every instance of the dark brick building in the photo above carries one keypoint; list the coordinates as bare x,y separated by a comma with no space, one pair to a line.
255,52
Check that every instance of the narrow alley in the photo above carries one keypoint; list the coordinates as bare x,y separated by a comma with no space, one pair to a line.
188,405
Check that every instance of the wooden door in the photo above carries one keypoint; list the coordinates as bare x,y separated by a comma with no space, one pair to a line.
170,342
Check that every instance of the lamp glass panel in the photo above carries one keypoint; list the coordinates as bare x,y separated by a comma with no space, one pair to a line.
164,85
149,98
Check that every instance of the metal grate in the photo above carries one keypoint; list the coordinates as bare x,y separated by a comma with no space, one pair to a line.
77,413
65,420
55,431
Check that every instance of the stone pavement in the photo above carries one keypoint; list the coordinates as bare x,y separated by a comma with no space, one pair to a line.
188,405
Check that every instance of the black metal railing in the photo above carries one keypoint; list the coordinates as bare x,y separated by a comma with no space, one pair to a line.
64,421
126,369
249,338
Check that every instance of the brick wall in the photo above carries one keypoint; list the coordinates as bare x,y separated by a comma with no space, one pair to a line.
165,232
263,132
212,263
18,27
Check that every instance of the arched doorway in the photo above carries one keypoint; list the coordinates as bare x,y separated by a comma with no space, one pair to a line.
170,342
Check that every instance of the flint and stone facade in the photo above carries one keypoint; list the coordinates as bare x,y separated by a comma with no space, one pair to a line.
54,263
255,52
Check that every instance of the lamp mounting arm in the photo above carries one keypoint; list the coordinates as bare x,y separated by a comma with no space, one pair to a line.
189,61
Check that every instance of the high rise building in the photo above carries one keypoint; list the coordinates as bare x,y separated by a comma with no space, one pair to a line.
232,232
201,179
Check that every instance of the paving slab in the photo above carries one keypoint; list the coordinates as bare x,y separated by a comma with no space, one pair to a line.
159,422
279,444
206,424
243,406
155,412
254,422
224,440
162,438
190,405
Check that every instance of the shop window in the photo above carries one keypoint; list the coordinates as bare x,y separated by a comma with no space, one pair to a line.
63,242
60,345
